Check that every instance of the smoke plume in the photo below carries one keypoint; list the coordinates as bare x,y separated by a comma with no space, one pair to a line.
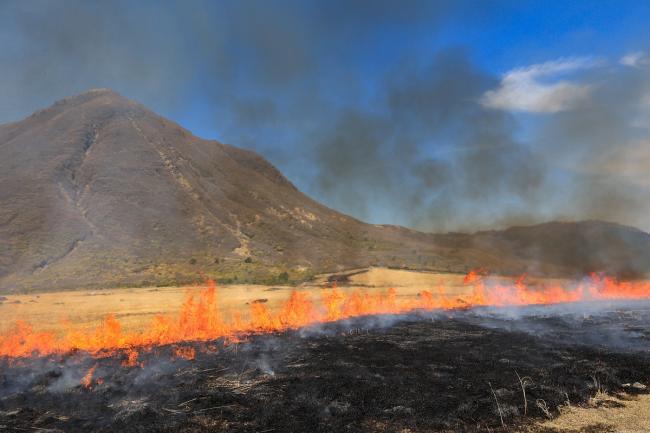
364,105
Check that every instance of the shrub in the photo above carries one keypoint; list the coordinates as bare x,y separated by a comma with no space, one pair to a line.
283,277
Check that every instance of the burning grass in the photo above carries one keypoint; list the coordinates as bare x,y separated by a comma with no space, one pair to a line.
440,372
201,318
495,355
135,308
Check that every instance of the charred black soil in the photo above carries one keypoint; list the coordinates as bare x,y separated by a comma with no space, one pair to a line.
420,374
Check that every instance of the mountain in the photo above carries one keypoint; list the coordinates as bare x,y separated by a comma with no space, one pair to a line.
99,191
572,249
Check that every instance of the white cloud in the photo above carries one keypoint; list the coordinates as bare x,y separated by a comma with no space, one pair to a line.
635,60
522,89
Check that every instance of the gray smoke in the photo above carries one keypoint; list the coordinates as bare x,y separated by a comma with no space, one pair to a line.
409,143
433,151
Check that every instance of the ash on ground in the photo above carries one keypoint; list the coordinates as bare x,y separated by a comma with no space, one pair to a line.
459,371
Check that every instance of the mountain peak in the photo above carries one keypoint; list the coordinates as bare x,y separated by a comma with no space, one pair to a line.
98,190
98,90
83,104
105,95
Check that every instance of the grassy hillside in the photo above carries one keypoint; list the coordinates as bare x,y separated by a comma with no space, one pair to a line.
99,191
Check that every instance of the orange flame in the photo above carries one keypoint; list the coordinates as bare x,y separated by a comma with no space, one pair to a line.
185,352
87,380
131,358
200,318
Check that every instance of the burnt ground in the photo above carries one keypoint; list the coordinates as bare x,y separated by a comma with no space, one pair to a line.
426,373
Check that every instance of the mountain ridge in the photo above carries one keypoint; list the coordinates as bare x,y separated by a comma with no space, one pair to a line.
100,191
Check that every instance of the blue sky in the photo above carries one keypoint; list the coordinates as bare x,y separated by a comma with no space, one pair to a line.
445,115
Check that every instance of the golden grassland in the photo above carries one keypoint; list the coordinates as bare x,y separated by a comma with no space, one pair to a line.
604,413
135,307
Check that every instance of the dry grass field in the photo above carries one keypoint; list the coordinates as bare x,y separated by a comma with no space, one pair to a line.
625,414
135,307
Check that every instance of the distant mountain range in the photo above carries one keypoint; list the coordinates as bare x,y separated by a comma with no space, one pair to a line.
99,191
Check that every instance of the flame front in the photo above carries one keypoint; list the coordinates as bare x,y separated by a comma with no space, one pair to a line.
200,318
87,380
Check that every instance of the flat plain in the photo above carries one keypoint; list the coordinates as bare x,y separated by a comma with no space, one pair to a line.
135,307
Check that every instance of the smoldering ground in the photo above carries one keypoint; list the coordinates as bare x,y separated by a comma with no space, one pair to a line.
425,372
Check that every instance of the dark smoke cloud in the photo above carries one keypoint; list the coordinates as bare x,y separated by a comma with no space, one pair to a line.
597,143
391,133
433,152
